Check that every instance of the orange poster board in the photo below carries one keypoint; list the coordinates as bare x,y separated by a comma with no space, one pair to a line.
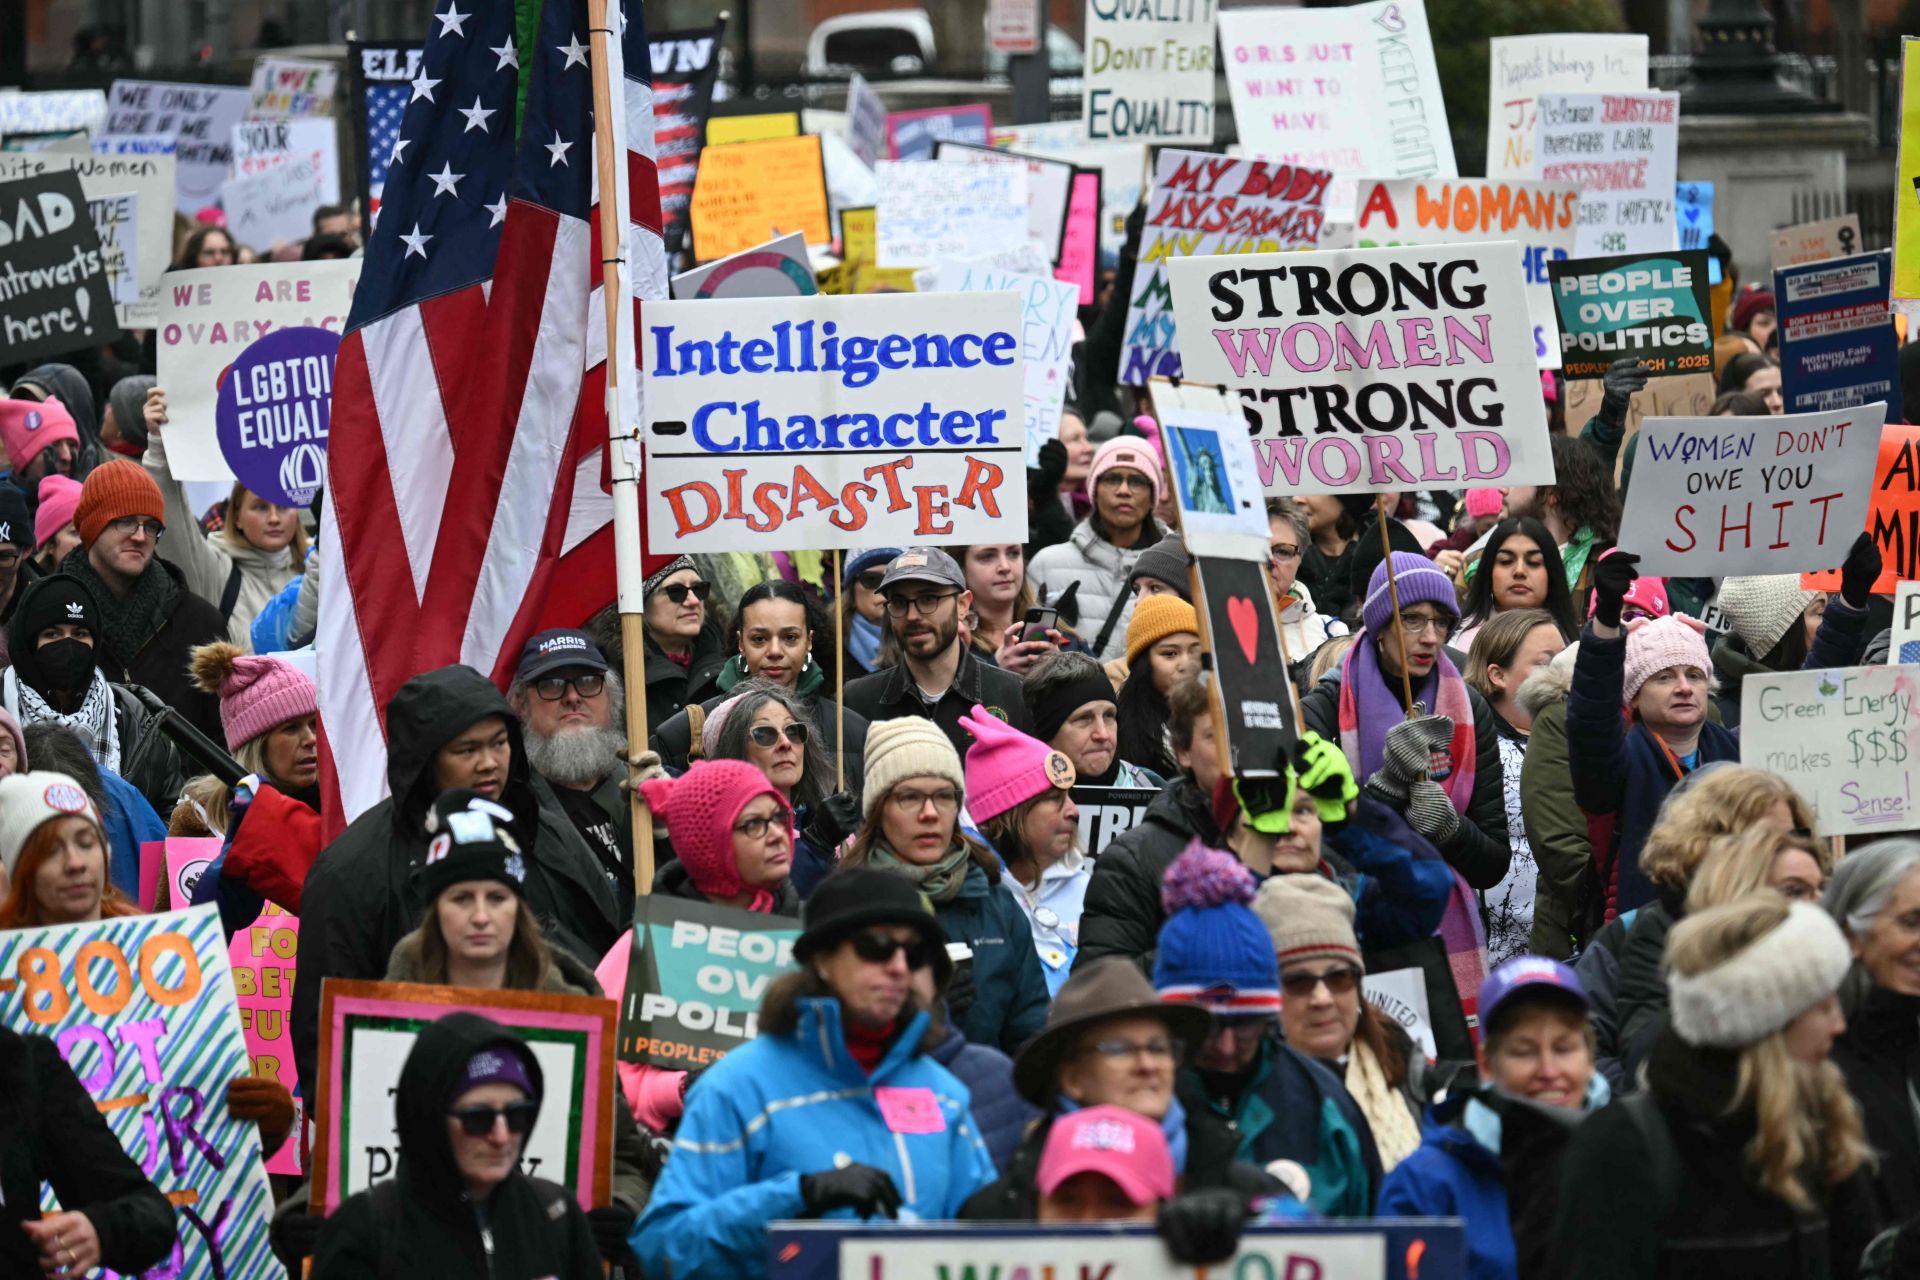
1893,513
748,193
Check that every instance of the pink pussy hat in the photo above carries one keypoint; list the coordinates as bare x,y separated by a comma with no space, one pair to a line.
1006,768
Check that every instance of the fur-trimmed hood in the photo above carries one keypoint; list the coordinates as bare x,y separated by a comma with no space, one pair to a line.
1550,684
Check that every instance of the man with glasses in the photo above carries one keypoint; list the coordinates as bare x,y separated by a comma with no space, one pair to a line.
1124,484
835,1110
571,709
938,677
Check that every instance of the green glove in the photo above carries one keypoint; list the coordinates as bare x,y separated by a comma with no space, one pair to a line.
1266,802
1322,771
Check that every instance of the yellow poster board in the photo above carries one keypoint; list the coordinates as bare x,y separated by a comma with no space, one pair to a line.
1906,178
747,193
859,243
725,130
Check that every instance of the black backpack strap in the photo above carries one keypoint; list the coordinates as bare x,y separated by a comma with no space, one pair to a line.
1106,628
230,596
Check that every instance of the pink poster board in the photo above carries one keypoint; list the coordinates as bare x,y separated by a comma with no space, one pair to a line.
1080,244
262,957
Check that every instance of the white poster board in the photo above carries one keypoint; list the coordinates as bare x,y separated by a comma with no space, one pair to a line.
199,116
1277,1255
1049,186
131,200
1149,72
275,206
52,111
289,88
928,210
1905,645
1047,310
1522,67
1622,151
779,268
1846,738
259,145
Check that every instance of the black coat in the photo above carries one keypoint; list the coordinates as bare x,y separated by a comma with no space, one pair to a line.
52,1135
674,739
162,662
361,897
1642,997
890,694
1122,912
1880,1057
670,686
430,1226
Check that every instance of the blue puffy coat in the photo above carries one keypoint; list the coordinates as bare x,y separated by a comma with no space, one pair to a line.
786,1105
1452,1176
998,1109
1010,990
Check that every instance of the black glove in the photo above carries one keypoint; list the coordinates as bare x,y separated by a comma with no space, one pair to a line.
1043,480
1860,572
610,1225
1613,577
293,1237
833,820
862,1188
1202,1228
959,992
1622,378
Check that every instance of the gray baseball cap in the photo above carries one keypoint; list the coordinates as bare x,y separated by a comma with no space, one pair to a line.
923,564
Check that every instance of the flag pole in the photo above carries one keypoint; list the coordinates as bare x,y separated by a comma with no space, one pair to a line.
840,672
623,443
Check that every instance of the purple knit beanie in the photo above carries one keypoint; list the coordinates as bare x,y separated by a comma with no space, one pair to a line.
1416,579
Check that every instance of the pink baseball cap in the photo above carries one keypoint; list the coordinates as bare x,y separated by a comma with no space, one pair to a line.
1120,1144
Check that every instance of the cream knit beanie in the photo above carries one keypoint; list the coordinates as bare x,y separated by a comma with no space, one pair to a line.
907,747
1760,608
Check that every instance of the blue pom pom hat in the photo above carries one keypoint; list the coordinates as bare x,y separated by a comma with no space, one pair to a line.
1214,952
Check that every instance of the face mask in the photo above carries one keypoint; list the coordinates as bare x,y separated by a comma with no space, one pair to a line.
66,665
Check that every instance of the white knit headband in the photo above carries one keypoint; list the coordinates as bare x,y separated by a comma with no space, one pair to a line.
1762,989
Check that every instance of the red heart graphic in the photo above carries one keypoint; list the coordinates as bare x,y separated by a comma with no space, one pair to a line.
1246,626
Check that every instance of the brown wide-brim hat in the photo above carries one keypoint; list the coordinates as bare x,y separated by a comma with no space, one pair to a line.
1110,987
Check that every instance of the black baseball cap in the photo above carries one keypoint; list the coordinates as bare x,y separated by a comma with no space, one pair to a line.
559,650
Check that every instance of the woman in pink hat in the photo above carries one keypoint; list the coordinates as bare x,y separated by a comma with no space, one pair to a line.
53,531
1125,481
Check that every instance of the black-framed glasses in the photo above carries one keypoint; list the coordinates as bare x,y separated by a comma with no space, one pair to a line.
765,735
871,578
879,948
554,688
679,591
756,828
478,1122
1282,551
1300,986
1415,623
926,606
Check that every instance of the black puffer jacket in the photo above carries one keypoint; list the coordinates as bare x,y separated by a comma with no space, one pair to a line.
670,686
425,1224
1880,1056
1122,912
360,897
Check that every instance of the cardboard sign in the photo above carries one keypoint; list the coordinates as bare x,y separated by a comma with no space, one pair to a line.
58,281
200,116
208,316
1893,512
928,211
1049,189
273,412
1047,310
1655,308
274,207
289,88
1106,812
749,191
1838,346
1426,378
911,135
777,269
1540,217
52,111
1816,241
263,957
142,1008
685,66
866,121
1621,150
1521,67
698,974
367,1029
887,420
382,76
130,200
1239,628
1718,496
260,145
1846,737
1352,89
1205,204
1906,177
1149,72
1215,481
859,248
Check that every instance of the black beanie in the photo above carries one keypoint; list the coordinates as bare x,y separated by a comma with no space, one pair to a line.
49,602
470,839
16,522
1058,705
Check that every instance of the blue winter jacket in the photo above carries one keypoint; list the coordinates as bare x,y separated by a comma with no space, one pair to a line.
1452,1176
129,823
1010,990
998,1109
786,1105
1400,882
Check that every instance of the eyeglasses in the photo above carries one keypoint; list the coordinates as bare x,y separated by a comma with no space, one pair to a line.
765,735
871,578
1415,623
1283,551
1116,480
879,948
679,591
756,828
8,559
478,1122
1301,985
910,800
1241,1029
128,525
926,606
554,688
1164,1048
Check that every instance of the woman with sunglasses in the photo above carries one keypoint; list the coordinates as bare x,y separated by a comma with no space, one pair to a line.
835,1110
768,728
914,787
685,644
869,645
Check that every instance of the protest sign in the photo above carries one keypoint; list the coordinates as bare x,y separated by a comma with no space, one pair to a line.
1693,219
726,130
142,1008
1046,339
187,859
777,269
1353,89
1816,241
367,1029
137,249
1080,242
1148,72
1893,512
1655,308
289,88
1686,395
1905,641
199,116
1122,166
1847,739
1049,188
263,958
1215,481
1522,67
1423,375
1106,812
1538,216
859,250
1252,709
748,191
52,112
1402,996
686,66
259,145
911,135
1621,150
880,419
1906,178
210,315
928,211
55,282
275,206
1718,496
273,410
866,121
380,86
698,974
1838,346
1205,204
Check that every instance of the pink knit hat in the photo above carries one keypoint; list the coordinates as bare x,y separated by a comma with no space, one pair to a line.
1127,451
59,495
1484,502
28,426
255,693
1006,768
701,806
1646,592
1655,644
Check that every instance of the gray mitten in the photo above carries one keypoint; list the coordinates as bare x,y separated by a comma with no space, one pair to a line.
1406,756
1430,812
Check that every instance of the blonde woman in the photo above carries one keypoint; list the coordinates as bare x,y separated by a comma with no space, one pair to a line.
1761,857
1745,1157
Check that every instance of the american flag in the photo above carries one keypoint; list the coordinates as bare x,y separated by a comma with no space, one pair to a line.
386,107
465,461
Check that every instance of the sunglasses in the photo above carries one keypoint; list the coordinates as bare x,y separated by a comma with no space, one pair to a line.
1300,986
871,579
878,948
679,591
765,735
554,688
478,1122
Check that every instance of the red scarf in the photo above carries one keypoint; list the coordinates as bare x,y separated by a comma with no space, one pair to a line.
869,1044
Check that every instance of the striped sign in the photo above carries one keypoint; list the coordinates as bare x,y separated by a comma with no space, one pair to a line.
143,1010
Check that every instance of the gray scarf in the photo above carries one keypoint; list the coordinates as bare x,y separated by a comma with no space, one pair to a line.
940,880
